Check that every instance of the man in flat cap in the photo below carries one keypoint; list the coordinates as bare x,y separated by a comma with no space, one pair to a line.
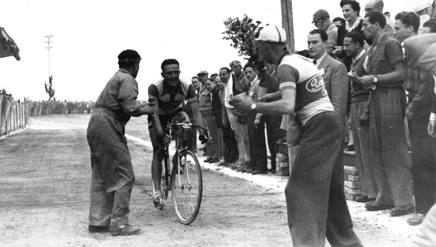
315,191
321,20
112,172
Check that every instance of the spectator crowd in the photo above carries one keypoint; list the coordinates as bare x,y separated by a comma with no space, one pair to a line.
38,108
383,98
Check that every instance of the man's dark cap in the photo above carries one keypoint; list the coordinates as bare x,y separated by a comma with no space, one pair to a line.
129,56
320,15
203,72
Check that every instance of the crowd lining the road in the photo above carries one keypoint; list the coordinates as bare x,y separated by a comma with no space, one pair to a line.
384,99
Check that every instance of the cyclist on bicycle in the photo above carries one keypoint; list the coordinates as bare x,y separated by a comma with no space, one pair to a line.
170,94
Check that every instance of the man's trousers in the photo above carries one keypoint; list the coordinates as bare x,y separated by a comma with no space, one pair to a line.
112,172
257,144
423,156
213,148
315,191
230,145
241,136
361,144
388,148
274,133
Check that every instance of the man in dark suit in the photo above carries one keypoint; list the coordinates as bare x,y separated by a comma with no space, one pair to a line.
334,72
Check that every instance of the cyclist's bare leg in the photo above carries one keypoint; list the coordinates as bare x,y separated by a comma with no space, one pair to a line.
156,171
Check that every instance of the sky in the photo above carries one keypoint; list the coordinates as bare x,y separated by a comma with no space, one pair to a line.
88,35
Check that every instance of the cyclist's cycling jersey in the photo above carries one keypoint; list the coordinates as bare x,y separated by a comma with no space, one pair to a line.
171,99
298,72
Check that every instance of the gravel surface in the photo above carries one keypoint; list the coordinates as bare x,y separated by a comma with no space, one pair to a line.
45,177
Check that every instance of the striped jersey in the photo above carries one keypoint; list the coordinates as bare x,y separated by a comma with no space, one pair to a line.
298,72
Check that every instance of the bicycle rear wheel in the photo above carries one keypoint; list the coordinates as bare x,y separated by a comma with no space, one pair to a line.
187,187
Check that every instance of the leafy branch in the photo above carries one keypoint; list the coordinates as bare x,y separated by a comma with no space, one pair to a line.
241,33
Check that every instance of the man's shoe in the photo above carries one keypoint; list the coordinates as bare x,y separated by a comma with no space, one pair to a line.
402,210
224,163
97,229
236,165
415,220
207,160
248,170
372,206
213,160
255,172
124,230
361,199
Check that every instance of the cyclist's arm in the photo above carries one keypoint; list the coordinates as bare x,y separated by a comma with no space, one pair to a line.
153,95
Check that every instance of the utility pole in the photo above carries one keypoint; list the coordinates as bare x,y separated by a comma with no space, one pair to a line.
49,86
288,23
49,41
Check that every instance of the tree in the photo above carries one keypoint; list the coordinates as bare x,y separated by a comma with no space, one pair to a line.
242,33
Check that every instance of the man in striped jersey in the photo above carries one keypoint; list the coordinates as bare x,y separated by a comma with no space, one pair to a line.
314,194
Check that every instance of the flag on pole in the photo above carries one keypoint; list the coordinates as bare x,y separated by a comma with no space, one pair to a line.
8,46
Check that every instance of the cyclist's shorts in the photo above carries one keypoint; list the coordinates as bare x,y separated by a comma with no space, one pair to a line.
164,119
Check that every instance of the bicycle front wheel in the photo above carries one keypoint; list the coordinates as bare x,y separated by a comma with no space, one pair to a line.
187,187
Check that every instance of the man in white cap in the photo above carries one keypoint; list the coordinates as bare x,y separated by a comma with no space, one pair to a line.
315,197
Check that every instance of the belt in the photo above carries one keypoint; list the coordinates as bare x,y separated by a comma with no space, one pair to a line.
107,112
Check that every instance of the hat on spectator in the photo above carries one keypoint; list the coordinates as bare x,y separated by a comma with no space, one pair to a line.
203,72
235,62
272,33
320,15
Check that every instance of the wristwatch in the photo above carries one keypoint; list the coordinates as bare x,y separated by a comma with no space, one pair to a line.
253,106
375,79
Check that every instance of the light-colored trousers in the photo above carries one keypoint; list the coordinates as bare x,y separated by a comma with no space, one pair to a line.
241,136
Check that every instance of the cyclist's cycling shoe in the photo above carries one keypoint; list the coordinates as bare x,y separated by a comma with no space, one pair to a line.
158,202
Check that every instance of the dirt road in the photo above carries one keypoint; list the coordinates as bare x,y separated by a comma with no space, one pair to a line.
44,184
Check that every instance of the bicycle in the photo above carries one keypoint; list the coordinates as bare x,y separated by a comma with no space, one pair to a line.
184,178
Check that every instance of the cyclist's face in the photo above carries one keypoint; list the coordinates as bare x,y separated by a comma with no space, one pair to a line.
171,72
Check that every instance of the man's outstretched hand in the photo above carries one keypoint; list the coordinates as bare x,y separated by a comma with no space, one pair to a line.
241,101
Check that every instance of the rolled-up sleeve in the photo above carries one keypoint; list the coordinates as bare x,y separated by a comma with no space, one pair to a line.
127,96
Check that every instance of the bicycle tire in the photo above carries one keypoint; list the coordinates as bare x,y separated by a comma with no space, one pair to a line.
187,187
